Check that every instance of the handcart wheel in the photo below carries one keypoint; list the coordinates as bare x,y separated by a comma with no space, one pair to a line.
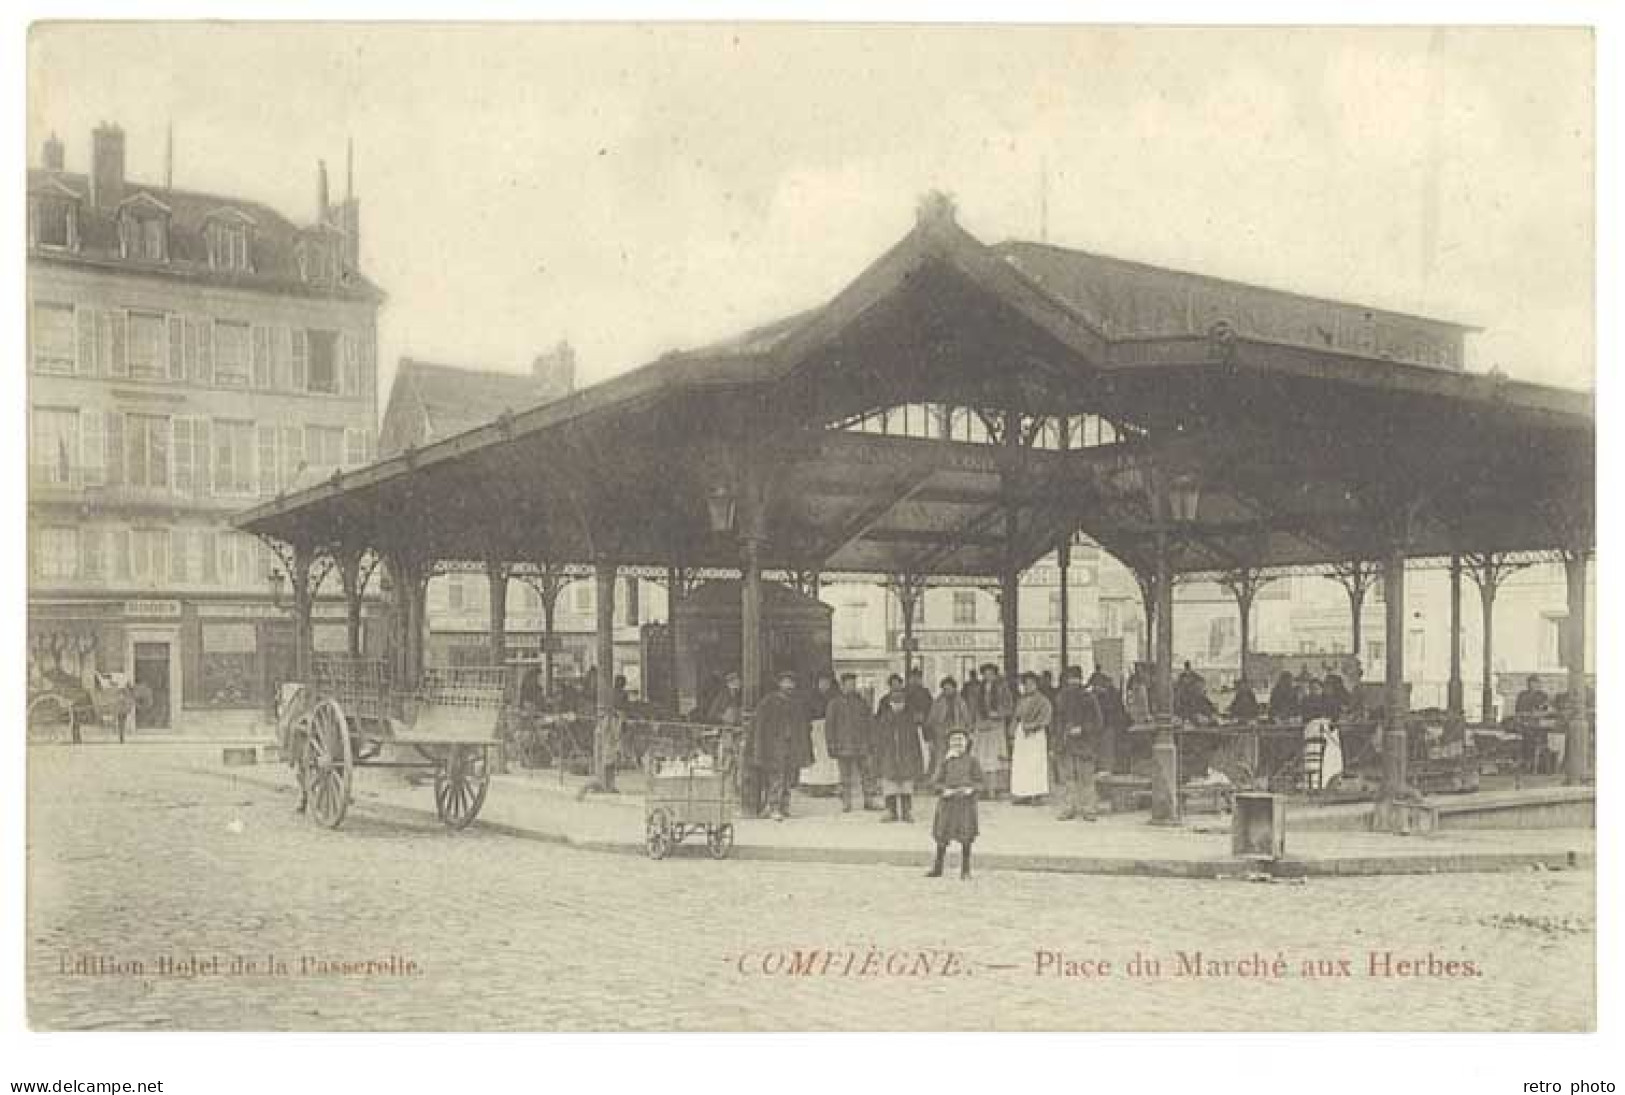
719,839
328,764
657,836
460,783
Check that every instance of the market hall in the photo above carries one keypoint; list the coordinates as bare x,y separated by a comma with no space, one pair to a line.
962,410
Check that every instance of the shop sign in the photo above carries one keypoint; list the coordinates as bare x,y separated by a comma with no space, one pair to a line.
152,608
940,641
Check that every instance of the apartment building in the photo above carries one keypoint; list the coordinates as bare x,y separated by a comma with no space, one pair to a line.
189,354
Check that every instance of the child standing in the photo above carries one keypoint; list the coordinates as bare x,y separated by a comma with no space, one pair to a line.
960,777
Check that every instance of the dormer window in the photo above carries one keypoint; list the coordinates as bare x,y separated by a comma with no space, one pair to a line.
53,219
143,229
317,257
227,236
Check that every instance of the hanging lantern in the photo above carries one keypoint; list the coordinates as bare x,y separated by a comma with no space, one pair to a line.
1184,496
719,505
275,580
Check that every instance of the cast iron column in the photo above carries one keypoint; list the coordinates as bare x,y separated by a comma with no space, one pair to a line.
303,604
1577,738
604,701
496,574
1456,699
1165,808
1394,738
1063,564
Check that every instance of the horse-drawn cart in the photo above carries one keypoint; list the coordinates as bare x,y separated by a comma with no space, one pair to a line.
349,716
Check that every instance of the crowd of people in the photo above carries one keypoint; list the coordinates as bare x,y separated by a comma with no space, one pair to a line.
1030,740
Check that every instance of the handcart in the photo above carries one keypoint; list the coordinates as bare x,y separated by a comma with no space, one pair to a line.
692,790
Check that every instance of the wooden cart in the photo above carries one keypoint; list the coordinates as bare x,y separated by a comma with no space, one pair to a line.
349,717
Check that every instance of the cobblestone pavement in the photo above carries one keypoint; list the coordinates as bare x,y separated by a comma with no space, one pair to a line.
134,859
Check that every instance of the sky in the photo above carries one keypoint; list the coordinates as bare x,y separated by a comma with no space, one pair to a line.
638,189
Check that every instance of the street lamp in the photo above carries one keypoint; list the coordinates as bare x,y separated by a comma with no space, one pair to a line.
1184,495
275,580
719,505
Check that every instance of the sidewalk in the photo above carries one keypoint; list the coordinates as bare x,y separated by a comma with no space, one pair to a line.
537,805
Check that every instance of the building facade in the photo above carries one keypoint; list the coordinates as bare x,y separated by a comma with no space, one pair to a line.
189,354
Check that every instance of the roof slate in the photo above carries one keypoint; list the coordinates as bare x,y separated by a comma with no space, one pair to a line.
274,238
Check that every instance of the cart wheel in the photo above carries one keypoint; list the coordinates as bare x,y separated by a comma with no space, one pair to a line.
460,783
720,840
328,764
50,719
657,836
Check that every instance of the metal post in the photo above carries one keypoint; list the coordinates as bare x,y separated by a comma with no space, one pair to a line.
1455,700
604,748
1063,564
303,601
1395,741
1577,737
604,635
674,594
496,574
750,622
1010,618
1163,677
350,575
1488,585
1165,806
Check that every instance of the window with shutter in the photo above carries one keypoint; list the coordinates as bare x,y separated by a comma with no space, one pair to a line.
115,448
53,333
94,448
355,448
178,571
282,366
293,455
113,341
119,540
269,464
301,359
262,357
185,455
233,457
90,554
89,359
208,548
144,345
177,348
204,333
232,365
350,374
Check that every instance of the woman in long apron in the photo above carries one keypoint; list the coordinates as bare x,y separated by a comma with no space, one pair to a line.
823,775
1029,759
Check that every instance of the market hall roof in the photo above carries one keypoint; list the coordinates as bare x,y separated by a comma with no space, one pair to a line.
1310,427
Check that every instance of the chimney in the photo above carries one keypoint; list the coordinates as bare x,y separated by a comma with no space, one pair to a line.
321,192
350,212
52,156
106,166
555,372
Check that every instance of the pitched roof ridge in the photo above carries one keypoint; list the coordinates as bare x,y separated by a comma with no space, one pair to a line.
1005,247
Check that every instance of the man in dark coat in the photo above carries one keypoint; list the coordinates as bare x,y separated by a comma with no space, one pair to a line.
1079,727
783,744
898,729
849,736
918,695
